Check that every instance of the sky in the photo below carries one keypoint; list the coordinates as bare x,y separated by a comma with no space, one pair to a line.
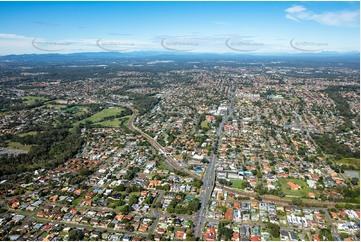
219,27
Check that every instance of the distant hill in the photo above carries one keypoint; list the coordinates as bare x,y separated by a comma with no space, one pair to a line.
186,59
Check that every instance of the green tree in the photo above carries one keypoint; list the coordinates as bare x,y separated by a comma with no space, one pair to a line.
125,210
326,233
120,188
76,235
194,205
259,174
274,229
297,201
225,233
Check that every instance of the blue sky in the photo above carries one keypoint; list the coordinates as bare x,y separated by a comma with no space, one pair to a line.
260,27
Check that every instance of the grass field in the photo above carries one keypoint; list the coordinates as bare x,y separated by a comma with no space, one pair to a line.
350,161
31,100
73,108
163,166
54,106
125,120
302,192
59,101
81,111
294,99
28,133
205,124
115,123
97,117
238,184
179,157
78,110
18,146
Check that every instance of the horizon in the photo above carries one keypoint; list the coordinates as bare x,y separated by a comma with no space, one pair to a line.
250,28
175,53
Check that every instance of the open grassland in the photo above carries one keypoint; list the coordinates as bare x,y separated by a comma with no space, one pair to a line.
302,192
238,184
163,166
54,106
28,133
18,146
114,123
99,116
78,110
70,109
31,100
205,124
350,161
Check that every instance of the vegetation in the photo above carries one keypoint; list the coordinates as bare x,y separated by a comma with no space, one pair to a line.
240,184
142,102
342,105
225,182
104,115
115,123
297,201
54,106
162,165
350,161
205,125
19,146
76,235
302,192
78,111
145,103
177,206
224,233
351,195
49,149
329,145
28,133
31,100
274,229
326,233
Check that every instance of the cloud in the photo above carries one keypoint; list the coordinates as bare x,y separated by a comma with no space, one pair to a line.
295,9
291,17
340,18
12,36
14,43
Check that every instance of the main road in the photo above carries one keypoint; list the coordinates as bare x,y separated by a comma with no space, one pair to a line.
209,178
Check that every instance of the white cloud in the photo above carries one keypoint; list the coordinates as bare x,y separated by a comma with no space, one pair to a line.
12,36
340,18
295,9
289,16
